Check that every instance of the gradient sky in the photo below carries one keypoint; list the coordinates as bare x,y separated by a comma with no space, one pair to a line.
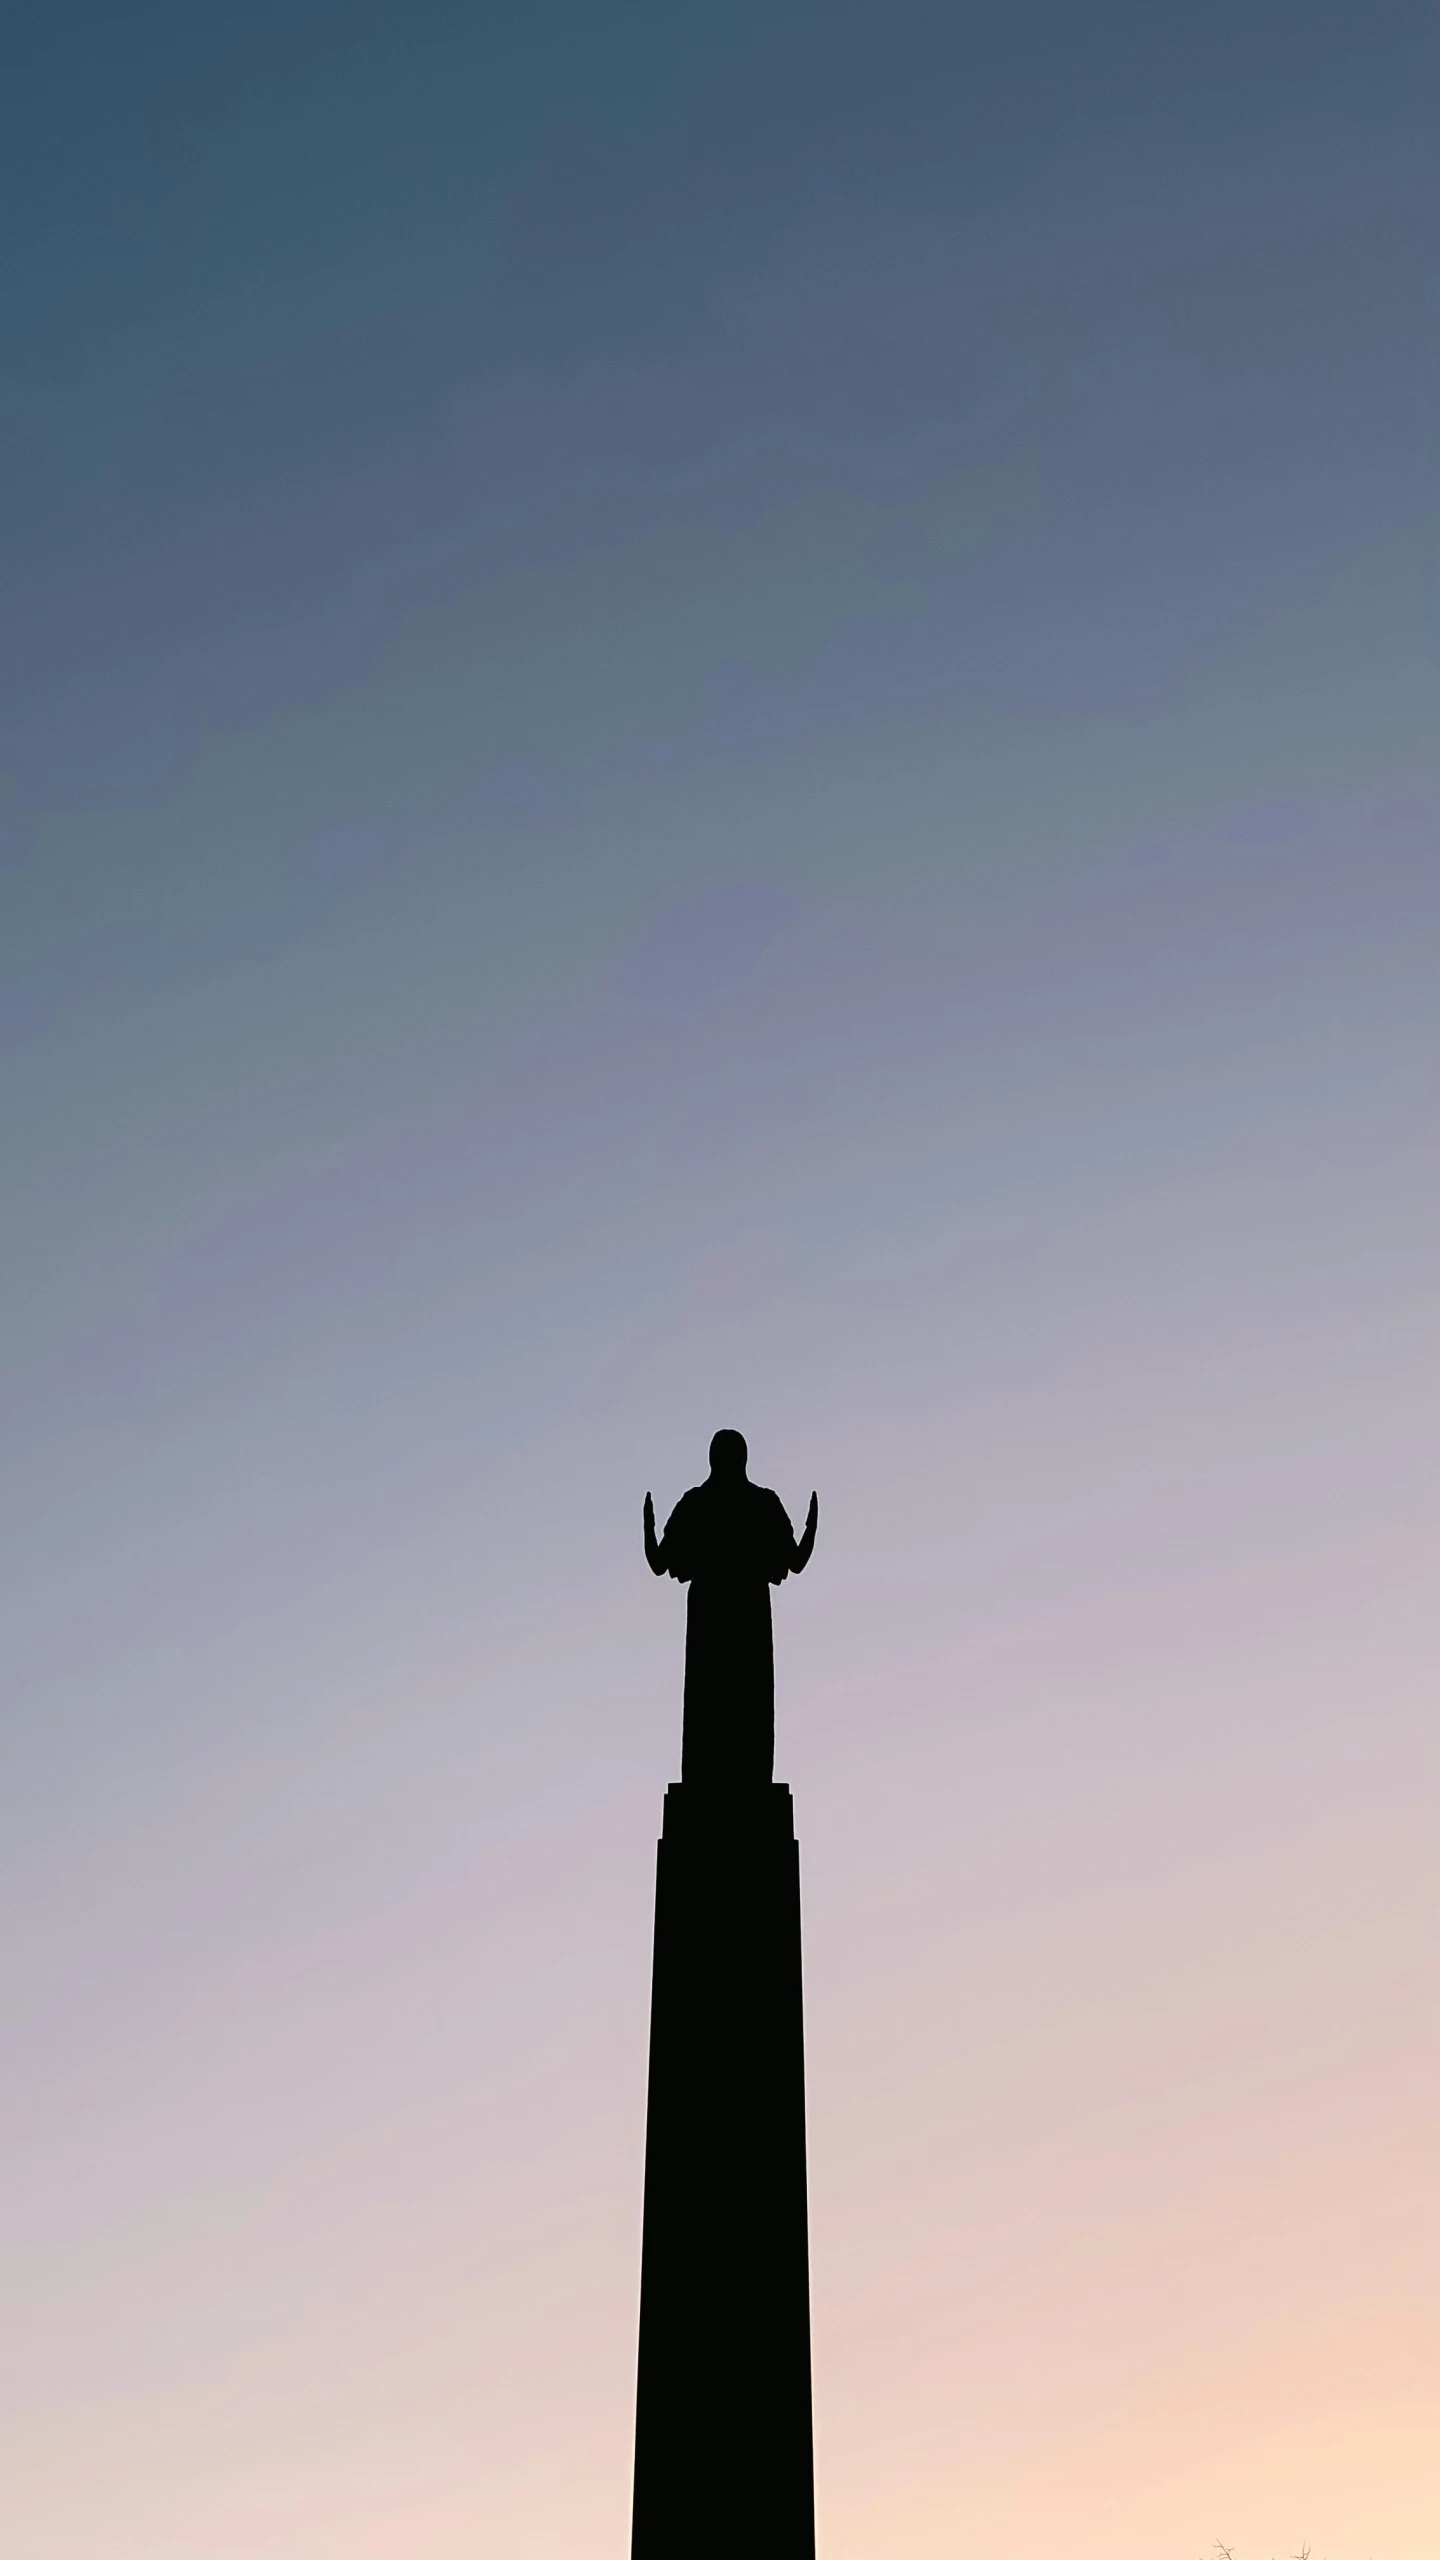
719,717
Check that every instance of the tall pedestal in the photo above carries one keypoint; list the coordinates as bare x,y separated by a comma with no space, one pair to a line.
723,2451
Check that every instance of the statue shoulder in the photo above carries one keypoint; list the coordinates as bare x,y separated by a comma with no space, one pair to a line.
685,1524
772,1526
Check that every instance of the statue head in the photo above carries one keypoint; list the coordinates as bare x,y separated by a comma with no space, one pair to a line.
728,1454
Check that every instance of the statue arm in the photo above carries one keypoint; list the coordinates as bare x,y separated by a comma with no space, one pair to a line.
654,1555
788,1553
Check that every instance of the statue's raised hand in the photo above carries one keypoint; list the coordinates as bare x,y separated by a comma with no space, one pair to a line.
806,1546
652,1551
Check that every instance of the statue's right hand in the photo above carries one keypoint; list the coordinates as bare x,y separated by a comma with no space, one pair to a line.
652,1552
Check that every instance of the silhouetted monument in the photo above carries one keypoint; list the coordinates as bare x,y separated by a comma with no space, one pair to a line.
724,2462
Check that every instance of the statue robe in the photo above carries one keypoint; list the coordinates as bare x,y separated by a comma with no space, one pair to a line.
729,1539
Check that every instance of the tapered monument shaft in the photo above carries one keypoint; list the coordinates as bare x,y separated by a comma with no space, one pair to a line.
723,2449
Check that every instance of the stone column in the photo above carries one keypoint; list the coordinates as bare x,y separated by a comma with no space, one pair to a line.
723,2450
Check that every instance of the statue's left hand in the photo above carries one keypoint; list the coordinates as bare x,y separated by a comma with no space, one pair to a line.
806,1547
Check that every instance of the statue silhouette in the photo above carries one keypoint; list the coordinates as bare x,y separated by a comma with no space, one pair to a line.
729,1539
724,2439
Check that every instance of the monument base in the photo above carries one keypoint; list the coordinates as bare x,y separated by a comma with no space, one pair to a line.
724,2459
